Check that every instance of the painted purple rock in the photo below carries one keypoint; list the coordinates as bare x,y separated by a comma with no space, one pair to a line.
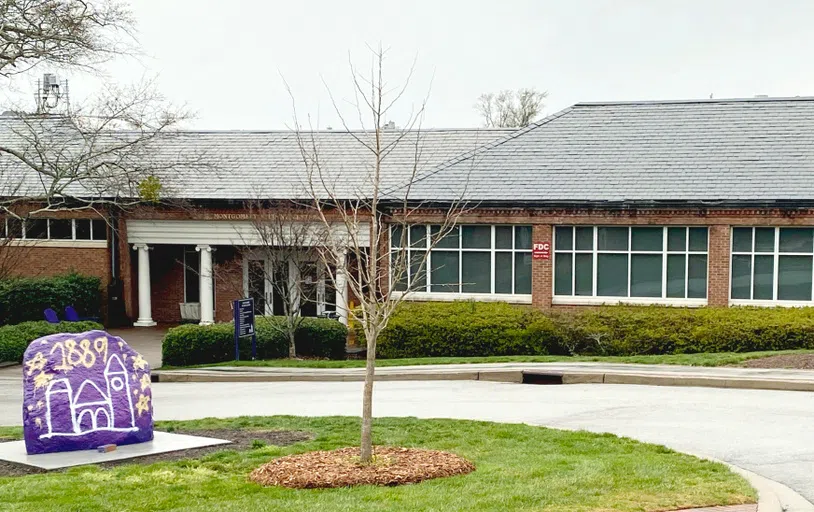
81,391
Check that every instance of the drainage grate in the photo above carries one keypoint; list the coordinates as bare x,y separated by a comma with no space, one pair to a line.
541,378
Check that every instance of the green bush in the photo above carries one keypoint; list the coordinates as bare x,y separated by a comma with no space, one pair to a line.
195,344
494,329
467,329
25,299
14,339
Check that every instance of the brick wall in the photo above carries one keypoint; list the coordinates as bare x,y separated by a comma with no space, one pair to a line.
720,221
50,261
541,269
718,268
228,282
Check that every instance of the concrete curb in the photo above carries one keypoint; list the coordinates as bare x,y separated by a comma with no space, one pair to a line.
772,496
493,375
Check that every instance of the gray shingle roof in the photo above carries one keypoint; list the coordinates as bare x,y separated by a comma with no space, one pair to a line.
708,150
252,165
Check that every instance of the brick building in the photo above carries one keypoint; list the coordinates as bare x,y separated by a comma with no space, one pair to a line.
685,203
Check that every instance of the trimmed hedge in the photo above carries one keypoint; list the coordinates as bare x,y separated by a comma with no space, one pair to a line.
494,329
14,339
195,344
25,299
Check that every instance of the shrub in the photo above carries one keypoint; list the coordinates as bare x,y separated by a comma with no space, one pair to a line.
24,299
494,329
195,344
467,329
14,339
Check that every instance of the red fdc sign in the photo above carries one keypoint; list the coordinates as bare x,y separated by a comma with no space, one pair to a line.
541,251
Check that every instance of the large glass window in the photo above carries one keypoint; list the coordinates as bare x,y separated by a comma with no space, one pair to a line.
772,264
462,259
53,229
612,261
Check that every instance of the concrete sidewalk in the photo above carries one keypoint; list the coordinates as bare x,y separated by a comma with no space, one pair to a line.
542,373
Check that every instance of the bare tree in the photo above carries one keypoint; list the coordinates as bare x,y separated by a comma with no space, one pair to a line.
101,154
510,109
360,221
65,33
97,155
286,242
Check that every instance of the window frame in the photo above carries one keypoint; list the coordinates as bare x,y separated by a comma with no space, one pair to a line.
4,230
775,254
426,293
665,252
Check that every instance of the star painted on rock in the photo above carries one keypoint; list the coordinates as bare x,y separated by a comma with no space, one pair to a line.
40,404
30,408
135,392
145,382
38,422
143,404
37,363
41,379
139,363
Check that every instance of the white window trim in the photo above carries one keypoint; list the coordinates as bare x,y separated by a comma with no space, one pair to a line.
584,300
73,242
595,299
65,244
775,254
452,297
459,294
771,303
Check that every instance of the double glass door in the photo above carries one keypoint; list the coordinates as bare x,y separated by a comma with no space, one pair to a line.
305,284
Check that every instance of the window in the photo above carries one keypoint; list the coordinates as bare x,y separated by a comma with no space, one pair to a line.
773,264
641,262
54,229
466,259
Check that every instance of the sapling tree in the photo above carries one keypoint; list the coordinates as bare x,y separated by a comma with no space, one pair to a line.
361,217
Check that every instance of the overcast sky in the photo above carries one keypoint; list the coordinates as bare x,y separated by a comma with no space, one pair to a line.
225,59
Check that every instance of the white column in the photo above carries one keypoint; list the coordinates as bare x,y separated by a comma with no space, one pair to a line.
342,288
145,313
205,276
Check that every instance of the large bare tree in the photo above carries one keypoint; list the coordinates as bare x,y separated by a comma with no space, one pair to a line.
510,109
102,153
64,33
359,220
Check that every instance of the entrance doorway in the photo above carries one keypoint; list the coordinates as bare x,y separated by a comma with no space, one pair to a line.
269,284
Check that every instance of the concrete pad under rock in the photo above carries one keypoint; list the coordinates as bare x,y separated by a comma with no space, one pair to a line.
163,442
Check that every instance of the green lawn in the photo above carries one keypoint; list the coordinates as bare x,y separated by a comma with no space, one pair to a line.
519,467
706,359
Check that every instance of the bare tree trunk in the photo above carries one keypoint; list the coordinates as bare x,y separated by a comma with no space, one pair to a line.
292,347
366,452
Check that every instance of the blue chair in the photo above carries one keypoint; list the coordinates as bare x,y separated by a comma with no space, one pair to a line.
71,315
51,316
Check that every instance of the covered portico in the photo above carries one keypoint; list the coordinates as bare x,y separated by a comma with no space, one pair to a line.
194,246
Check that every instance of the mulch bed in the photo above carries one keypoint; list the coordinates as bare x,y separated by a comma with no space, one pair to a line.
241,440
341,468
794,361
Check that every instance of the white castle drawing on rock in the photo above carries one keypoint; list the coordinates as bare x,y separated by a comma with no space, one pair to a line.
91,409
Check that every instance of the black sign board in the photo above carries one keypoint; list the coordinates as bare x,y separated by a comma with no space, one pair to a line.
244,325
